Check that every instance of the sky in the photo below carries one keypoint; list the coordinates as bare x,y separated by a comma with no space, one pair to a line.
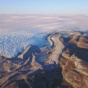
43,6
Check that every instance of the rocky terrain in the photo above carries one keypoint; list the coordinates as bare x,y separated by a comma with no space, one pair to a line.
63,64
74,60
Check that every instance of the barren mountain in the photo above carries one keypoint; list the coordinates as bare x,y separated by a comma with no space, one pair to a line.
74,61
62,64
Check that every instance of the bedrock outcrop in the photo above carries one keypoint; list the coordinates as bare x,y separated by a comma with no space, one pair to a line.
63,64
74,61
34,68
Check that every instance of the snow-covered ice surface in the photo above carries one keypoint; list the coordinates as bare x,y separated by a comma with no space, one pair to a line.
11,45
19,31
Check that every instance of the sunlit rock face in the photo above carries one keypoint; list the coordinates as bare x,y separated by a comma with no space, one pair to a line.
74,61
61,63
27,70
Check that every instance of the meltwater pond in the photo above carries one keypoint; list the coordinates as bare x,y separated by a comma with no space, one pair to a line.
11,45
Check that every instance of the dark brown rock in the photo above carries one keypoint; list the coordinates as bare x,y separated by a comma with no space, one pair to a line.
74,62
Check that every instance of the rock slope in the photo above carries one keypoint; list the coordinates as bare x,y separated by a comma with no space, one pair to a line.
63,64
27,71
74,61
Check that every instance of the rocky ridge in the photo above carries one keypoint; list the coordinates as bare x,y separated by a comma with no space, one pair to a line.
63,64
74,61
